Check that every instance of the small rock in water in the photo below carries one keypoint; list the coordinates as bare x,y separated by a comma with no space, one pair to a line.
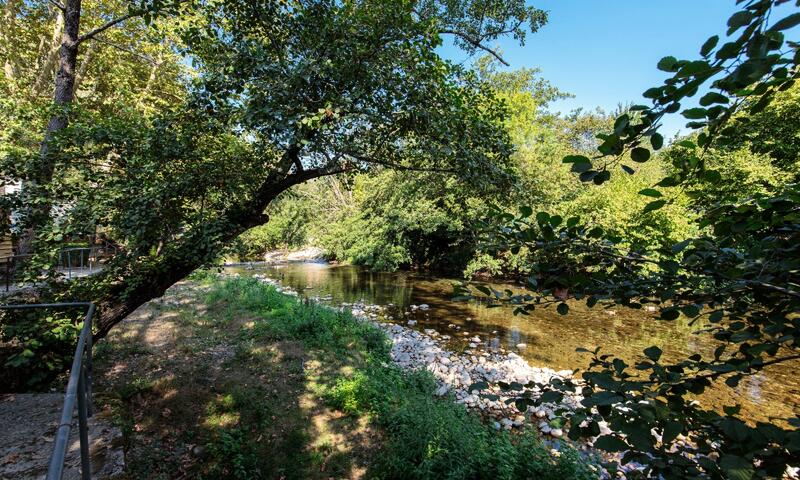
556,432
522,346
412,322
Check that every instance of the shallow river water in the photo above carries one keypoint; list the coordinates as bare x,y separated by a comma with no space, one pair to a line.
550,339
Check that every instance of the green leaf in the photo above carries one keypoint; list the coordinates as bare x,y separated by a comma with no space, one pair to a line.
550,396
786,23
694,113
653,353
657,141
670,313
542,217
690,311
484,289
654,205
667,64
738,20
478,386
525,211
713,97
576,159
640,154
610,443
709,45
678,247
621,123
731,410
650,192
587,176
601,177
580,167
562,308
671,431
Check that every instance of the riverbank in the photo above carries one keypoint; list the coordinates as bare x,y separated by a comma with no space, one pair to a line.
455,374
229,378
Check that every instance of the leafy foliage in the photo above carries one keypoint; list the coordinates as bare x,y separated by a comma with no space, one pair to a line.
35,348
278,94
738,273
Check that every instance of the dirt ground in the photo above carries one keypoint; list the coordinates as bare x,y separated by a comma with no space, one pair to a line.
196,397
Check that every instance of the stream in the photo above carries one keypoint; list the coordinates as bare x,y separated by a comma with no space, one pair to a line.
545,338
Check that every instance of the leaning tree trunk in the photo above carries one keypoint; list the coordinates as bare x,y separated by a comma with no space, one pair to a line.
62,98
139,287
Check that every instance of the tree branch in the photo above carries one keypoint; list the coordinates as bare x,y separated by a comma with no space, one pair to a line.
477,44
363,158
776,288
124,49
107,25
57,5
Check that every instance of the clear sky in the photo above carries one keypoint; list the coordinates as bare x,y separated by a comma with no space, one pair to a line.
605,51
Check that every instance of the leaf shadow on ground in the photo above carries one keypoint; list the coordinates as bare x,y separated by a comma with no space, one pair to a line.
198,397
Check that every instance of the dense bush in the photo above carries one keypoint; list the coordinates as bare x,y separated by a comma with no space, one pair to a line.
35,346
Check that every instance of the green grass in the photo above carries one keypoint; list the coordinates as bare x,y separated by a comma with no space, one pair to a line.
423,437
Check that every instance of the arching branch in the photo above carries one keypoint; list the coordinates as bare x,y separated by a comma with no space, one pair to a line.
475,42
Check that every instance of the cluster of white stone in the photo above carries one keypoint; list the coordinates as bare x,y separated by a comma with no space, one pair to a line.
455,373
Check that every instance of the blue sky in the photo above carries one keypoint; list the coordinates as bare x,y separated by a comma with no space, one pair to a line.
605,51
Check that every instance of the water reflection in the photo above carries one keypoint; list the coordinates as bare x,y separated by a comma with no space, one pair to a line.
549,339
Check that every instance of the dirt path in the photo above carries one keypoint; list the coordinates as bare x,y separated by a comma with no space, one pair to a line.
29,423
196,397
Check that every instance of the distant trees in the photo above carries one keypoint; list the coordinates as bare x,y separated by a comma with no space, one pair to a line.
400,219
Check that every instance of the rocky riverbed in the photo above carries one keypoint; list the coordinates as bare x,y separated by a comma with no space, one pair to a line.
456,372
458,359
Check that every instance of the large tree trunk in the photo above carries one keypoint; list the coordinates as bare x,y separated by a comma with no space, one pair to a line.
65,83
62,98
140,287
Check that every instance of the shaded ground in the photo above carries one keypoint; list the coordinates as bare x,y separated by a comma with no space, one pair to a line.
29,423
196,397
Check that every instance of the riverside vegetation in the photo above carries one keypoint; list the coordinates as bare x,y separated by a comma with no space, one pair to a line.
173,128
225,377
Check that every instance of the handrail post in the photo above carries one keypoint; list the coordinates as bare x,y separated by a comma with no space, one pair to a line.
78,388
83,427
89,369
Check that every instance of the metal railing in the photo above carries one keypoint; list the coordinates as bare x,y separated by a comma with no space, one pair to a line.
79,389
76,261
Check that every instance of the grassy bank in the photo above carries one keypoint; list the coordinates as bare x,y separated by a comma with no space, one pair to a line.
230,379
